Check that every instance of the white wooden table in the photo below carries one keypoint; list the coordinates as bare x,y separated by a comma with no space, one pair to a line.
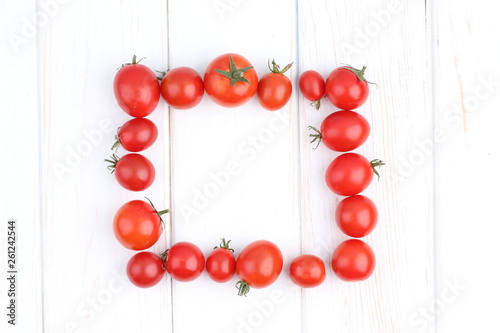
434,122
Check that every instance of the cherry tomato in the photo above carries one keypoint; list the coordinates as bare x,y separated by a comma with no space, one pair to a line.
136,89
230,80
258,266
353,260
182,88
312,86
138,225
184,261
347,88
145,269
133,171
307,271
342,131
356,216
274,88
350,173
136,135
221,264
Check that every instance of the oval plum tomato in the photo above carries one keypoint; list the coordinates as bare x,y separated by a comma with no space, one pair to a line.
133,172
145,269
182,88
258,266
353,260
347,88
230,80
138,225
350,173
342,131
356,216
312,86
184,261
274,89
136,89
136,135
307,271
221,264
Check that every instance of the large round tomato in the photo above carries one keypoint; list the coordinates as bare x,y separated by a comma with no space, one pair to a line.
184,261
307,271
275,89
356,216
137,225
353,260
182,88
133,171
145,269
230,80
136,135
347,88
136,89
312,86
221,264
258,265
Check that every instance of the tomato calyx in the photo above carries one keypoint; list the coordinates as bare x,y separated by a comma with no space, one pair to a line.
376,163
160,213
235,74
117,140
360,73
276,69
134,61
316,104
316,136
243,288
162,74
224,245
113,160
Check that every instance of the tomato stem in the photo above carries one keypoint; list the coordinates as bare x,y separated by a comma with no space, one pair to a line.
235,74
316,104
243,288
376,164
117,142
316,137
276,68
360,73
224,245
160,213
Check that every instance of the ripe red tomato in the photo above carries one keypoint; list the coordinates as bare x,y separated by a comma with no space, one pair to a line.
342,131
356,216
136,89
182,88
138,225
312,86
221,264
258,266
347,88
184,261
145,269
136,135
350,173
274,89
353,260
230,80
133,171
307,271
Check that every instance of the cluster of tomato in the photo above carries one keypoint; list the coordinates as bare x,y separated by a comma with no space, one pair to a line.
230,81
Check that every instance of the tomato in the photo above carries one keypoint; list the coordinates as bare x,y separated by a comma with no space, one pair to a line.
136,89
342,131
312,86
182,88
274,89
221,264
184,261
230,80
356,216
145,269
350,173
136,135
138,225
307,271
258,265
353,260
347,88
133,171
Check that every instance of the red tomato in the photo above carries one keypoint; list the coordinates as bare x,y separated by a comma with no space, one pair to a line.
230,80
221,264
307,271
138,225
312,86
136,135
136,89
182,88
145,269
356,216
347,88
133,171
350,173
342,131
184,261
274,89
258,266
353,260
